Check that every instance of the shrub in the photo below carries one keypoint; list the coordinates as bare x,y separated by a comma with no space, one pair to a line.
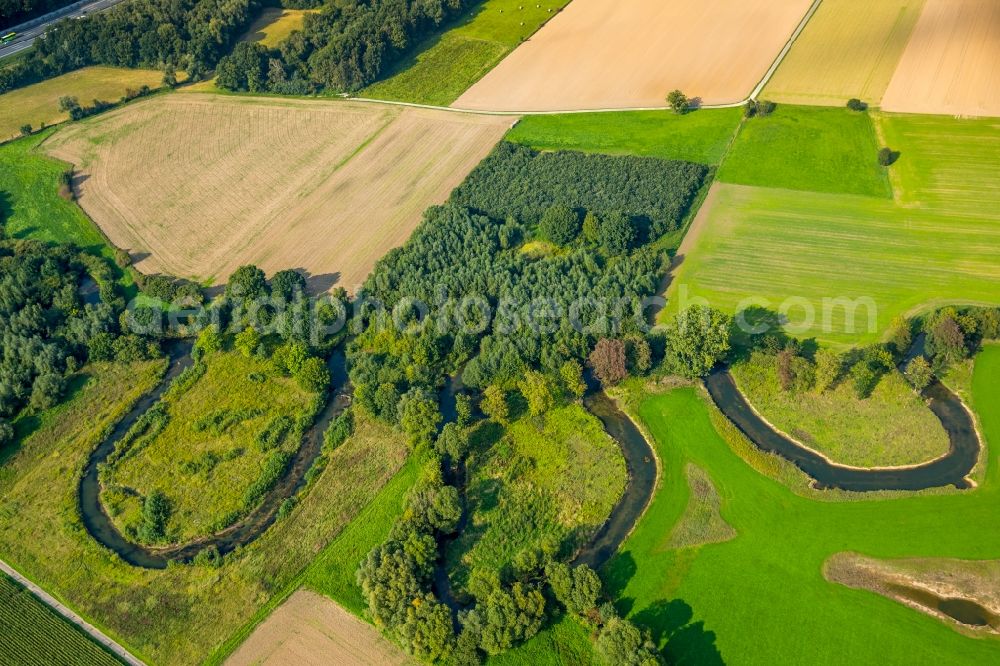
26,129
919,373
855,104
6,432
313,375
338,432
559,225
887,157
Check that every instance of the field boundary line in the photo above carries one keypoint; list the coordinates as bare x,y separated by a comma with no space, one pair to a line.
784,51
65,612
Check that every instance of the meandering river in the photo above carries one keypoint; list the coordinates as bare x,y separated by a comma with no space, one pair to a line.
103,530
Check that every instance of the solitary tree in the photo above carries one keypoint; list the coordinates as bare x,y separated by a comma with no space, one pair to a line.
678,101
537,390
169,75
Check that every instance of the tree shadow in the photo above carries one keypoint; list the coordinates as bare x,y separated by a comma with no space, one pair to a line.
617,573
680,640
6,207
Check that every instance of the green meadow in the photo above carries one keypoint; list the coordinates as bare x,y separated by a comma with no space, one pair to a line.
447,64
767,582
843,266
808,148
30,205
701,136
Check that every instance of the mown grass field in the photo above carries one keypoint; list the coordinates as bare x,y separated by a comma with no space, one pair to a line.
447,64
937,243
274,25
807,148
723,599
702,136
38,104
197,608
209,453
891,427
850,48
556,476
34,634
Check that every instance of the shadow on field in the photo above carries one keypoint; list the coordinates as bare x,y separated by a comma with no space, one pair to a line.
679,639
6,207
670,623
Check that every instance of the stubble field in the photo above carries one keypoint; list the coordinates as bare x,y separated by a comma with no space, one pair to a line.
311,630
950,65
606,54
197,185
850,48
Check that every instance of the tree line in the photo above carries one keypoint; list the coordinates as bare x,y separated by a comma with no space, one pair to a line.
343,48
190,35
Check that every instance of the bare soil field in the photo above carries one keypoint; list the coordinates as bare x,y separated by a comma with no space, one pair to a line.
850,48
600,54
196,185
310,629
952,63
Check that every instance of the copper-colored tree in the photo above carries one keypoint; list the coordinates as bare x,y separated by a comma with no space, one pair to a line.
608,361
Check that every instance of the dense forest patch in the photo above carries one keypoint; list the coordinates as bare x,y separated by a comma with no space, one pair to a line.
497,311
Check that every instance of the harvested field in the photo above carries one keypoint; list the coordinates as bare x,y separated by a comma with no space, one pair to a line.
850,48
196,185
310,629
606,54
951,63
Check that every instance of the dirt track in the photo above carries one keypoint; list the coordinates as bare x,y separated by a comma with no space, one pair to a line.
196,185
608,54
311,630
952,62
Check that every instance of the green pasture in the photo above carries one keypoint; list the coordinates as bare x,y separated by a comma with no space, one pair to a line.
808,148
841,267
448,63
767,582
208,453
700,136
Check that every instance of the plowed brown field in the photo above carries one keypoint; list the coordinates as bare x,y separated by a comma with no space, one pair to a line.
311,630
952,63
610,54
196,185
